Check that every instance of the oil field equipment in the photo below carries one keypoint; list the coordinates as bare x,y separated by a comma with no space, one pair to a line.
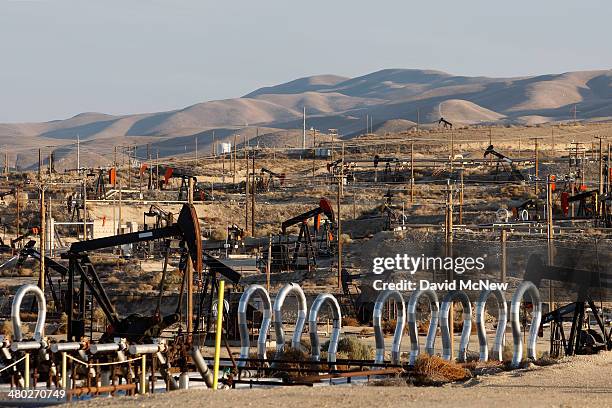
582,338
268,180
445,123
504,160
286,255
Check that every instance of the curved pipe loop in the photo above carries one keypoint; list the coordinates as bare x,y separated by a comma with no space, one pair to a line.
502,321
245,342
39,331
529,288
412,323
382,298
322,299
447,303
302,309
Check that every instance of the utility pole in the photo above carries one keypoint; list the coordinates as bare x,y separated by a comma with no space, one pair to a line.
304,131
449,253
537,165
42,231
253,192
461,199
339,234
189,276
84,210
246,193
314,156
78,154
234,161
412,172
39,165
549,234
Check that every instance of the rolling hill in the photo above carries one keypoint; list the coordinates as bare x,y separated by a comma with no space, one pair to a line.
390,97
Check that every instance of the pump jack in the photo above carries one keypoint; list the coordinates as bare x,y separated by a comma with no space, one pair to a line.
134,327
283,261
265,184
515,174
581,340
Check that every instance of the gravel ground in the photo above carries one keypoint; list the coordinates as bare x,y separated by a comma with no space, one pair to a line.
576,382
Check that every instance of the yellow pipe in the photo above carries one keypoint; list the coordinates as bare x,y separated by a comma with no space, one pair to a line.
26,374
143,375
64,379
218,333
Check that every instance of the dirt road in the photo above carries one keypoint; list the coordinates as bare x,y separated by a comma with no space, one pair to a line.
577,382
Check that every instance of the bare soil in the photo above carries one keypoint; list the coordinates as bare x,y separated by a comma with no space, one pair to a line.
575,382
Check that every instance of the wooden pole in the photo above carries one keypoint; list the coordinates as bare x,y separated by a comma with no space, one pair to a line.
234,161
503,266
339,237
412,173
247,178
84,211
189,276
269,263
537,172
550,233
42,231
253,192
461,200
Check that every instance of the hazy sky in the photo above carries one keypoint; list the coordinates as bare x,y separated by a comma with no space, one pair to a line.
61,57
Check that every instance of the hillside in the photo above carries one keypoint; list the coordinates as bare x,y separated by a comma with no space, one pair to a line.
392,98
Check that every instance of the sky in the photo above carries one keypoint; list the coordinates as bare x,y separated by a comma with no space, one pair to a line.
59,58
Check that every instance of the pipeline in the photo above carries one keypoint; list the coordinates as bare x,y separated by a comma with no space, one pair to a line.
245,342
447,302
278,316
320,300
399,327
39,331
502,320
412,323
525,287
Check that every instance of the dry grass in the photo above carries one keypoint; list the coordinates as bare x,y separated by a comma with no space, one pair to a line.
349,321
434,370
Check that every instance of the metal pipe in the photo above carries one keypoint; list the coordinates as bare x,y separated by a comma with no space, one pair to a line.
412,323
67,346
529,288
502,321
320,300
399,326
302,309
447,302
202,367
145,348
245,342
39,331
104,348
26,345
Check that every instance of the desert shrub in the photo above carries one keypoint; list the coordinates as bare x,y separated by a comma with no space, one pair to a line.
112,279
352,348
349,321
434,370
26,272
7,328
